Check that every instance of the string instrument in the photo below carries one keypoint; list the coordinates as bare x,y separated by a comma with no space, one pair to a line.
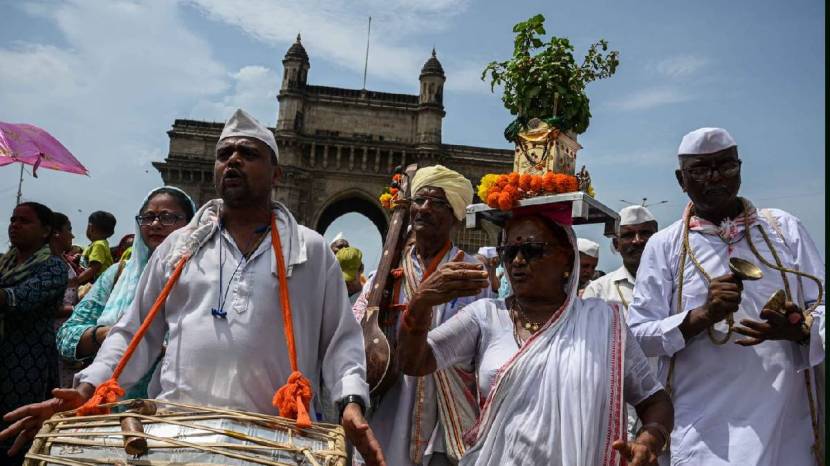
379,335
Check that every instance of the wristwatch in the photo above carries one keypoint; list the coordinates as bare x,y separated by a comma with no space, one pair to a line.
341,405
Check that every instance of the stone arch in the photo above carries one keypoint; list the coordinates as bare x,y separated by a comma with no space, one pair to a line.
353,200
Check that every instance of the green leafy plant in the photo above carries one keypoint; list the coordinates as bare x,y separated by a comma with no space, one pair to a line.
543,80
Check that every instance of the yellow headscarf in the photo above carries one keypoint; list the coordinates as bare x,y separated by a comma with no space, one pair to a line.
458,189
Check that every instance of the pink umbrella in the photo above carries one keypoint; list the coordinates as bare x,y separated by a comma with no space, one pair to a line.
31,145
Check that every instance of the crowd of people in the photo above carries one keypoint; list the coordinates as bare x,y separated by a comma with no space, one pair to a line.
521,353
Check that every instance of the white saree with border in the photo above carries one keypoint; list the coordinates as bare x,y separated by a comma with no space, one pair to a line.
559,400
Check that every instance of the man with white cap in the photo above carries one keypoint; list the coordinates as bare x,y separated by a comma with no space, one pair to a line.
227,341
636,227
588,260
419,421
739,368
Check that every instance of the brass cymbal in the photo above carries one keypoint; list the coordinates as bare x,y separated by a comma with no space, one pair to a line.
745,270
776,301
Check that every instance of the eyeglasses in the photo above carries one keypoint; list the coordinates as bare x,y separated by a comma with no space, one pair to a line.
726,169
438,202
530,251
165,218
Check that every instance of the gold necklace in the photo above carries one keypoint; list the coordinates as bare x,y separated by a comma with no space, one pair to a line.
527,324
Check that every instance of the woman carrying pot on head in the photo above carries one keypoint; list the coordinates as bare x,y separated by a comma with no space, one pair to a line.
555,369
163,211
32,284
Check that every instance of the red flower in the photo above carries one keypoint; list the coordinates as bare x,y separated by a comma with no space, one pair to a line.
493,199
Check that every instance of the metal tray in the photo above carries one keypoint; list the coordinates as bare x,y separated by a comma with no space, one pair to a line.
584,209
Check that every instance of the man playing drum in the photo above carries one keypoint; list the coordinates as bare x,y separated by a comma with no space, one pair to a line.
223,319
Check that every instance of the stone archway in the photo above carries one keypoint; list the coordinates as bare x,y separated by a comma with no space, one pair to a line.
352,201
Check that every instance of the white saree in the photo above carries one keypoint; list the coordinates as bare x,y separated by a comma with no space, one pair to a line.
559,400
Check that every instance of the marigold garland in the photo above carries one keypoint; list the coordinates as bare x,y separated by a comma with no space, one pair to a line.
387,198
504,191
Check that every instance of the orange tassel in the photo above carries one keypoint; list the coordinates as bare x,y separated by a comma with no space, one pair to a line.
107,392
292,399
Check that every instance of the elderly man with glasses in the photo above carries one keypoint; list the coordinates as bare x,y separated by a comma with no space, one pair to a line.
740,369
409,423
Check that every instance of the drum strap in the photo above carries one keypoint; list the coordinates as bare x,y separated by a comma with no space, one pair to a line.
292,399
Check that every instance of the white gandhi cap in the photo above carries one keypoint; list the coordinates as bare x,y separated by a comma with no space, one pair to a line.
587,247
242,124
635,215
705,141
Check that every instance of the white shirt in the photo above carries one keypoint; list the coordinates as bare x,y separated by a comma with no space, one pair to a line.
391,418
614,287
239,362
483,332
733,405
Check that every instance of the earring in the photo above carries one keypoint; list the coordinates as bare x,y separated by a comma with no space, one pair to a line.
566,274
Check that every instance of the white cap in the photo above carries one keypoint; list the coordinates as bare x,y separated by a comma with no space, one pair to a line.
705,141
241,123
487,251
337,237
587,247
635,215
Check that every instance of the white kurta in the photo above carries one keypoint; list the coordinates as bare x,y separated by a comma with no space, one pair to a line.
733,405
391,419
615,287
240,361
618,287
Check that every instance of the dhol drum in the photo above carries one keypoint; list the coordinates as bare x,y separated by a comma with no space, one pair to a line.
155,432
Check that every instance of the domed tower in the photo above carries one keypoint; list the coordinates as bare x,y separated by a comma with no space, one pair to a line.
431,102
294,77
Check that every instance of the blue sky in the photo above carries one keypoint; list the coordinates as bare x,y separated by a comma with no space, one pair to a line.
109,77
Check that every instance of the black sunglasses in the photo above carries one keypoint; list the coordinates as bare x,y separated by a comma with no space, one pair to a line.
165,218
530,251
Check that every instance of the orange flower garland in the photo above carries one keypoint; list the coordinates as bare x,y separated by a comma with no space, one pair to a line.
504,191
390,194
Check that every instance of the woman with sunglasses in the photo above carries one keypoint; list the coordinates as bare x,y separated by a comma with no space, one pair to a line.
554,369
164,211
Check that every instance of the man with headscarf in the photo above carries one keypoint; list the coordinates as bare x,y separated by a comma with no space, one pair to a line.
637,224
419,421
740,370
227,344
588,260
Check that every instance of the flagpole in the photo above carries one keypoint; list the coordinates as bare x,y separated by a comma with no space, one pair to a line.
366,63
20,185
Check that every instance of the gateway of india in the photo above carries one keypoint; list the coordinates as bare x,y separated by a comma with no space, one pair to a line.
339,147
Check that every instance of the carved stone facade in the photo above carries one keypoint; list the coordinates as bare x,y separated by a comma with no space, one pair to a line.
339,147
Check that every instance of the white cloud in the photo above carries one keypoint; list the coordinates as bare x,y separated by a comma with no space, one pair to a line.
254,88
651,98
680,66
336,32
109,91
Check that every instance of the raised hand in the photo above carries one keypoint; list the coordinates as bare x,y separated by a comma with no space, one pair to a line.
361,435
451,280
27,420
